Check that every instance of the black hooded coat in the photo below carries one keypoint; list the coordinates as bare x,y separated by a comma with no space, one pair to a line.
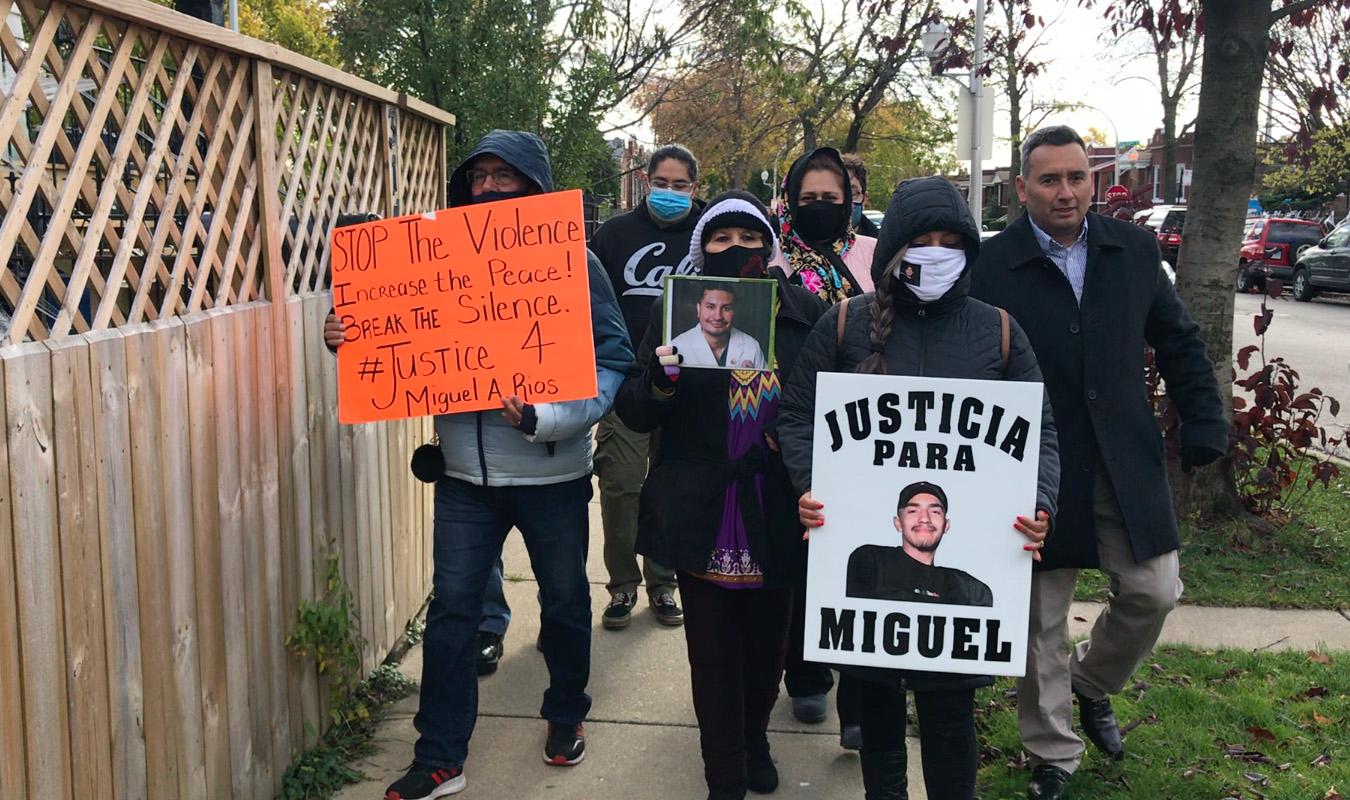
954,336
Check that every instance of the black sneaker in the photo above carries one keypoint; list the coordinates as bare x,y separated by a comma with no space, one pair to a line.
619,612
667,613
566,745
424,783
489,652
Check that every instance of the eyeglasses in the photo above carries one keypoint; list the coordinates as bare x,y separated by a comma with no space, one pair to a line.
662,183
500,177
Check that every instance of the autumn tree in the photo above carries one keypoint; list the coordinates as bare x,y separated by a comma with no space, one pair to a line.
1172,33
1238,36
724,105
902,139
1012,46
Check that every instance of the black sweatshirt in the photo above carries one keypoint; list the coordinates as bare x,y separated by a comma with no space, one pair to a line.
638,255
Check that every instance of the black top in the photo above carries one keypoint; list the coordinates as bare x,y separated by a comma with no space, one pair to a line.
638,254
889,573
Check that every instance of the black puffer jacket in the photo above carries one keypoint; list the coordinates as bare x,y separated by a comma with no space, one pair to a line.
954,336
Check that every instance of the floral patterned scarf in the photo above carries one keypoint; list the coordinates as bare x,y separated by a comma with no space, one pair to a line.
811,269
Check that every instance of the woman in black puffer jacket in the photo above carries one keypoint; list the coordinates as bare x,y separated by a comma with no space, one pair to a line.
924,324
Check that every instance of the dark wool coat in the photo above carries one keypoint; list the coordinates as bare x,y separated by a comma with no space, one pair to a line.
680,509
1092,358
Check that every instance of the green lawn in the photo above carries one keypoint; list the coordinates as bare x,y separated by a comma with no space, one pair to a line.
1202,725
1306,565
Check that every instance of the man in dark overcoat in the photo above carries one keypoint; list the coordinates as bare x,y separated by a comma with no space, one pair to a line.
1091,294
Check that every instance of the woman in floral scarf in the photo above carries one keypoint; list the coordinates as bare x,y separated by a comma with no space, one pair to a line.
821,250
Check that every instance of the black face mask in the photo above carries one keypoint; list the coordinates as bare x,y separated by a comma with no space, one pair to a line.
492,197
820,220
735,262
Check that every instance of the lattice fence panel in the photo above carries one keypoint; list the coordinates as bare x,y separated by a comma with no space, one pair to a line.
129,180
331,149
419,169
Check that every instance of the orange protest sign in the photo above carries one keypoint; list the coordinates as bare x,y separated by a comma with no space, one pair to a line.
455,310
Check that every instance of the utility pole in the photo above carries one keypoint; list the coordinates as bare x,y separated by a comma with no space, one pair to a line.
976,198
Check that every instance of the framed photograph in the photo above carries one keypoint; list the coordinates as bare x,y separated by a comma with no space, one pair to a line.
918,566
721,323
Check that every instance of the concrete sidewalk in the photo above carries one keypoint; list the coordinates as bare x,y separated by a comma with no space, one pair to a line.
642,737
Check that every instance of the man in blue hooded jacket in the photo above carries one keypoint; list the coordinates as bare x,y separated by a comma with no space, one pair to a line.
529,467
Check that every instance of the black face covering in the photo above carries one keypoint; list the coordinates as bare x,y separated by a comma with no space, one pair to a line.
491,197
736,262
820,220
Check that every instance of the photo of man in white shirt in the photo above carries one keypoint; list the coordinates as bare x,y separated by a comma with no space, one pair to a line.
715,341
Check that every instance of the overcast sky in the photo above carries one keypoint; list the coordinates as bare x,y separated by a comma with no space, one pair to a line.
1085,66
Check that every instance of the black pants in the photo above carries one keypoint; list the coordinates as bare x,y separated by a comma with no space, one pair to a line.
946,734
736,639
806,678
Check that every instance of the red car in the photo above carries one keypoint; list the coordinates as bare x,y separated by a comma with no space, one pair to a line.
1270,248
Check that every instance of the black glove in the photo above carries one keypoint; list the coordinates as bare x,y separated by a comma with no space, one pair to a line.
529,420
664,376
1198,455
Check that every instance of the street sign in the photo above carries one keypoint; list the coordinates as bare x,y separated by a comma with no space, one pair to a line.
966,119
1117,194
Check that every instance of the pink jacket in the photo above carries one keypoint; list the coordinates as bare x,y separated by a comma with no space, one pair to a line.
858,259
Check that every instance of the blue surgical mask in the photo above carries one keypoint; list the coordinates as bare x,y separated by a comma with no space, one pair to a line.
668,205
857,214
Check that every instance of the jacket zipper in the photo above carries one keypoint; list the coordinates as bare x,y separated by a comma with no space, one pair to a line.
482,455
923,341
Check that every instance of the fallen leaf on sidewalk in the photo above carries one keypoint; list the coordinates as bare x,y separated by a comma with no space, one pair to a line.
1261,734
1318,658
1080,619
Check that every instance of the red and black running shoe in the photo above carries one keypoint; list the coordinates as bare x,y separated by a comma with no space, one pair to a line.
425,783
566,745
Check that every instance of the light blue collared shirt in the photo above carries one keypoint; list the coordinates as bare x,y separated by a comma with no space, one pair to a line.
1071,260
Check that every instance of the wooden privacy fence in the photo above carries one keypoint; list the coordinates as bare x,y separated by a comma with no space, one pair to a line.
172,474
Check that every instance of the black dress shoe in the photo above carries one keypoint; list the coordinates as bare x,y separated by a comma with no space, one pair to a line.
1099,724
489,652
1047,783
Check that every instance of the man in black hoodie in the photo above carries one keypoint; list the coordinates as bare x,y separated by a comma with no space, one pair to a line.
639,249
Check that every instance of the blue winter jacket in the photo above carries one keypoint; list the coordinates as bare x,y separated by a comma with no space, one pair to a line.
481,447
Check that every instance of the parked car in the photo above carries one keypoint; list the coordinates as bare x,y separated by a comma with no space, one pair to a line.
1166,223
874,215
1325,266
1270,246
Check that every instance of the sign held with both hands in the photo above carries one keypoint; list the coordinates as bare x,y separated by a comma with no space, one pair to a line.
454,310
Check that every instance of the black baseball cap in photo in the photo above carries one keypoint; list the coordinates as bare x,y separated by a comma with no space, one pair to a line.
921,487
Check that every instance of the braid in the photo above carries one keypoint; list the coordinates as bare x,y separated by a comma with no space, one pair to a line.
883,317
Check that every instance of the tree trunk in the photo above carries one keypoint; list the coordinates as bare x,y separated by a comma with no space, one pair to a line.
809,135
1168,166
1015,88
1236,35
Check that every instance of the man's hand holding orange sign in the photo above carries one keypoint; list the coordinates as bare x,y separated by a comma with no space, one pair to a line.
462,309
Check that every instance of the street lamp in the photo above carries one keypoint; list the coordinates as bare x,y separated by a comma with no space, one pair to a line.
936,38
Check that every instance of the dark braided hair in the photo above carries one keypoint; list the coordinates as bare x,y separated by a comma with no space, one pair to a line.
883,319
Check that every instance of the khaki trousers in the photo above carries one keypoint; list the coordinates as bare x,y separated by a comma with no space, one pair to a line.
621,459
1141,595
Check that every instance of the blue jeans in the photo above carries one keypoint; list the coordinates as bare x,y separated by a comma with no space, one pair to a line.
496,613
471,522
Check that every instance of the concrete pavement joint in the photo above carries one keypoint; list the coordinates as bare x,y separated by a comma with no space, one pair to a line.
832,734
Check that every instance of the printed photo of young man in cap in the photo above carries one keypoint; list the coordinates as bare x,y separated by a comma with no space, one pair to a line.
877,572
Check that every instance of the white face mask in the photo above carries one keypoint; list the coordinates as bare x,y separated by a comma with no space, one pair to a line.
930,271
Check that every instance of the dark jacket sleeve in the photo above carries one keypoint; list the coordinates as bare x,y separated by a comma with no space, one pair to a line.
638,404
1022,366
797,415
1185,367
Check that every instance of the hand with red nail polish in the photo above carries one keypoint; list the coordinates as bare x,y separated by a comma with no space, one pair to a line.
809,514
1036,530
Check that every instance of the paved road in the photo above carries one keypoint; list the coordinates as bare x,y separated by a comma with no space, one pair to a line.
1313,337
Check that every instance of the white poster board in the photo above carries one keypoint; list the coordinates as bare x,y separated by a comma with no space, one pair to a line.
964,450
